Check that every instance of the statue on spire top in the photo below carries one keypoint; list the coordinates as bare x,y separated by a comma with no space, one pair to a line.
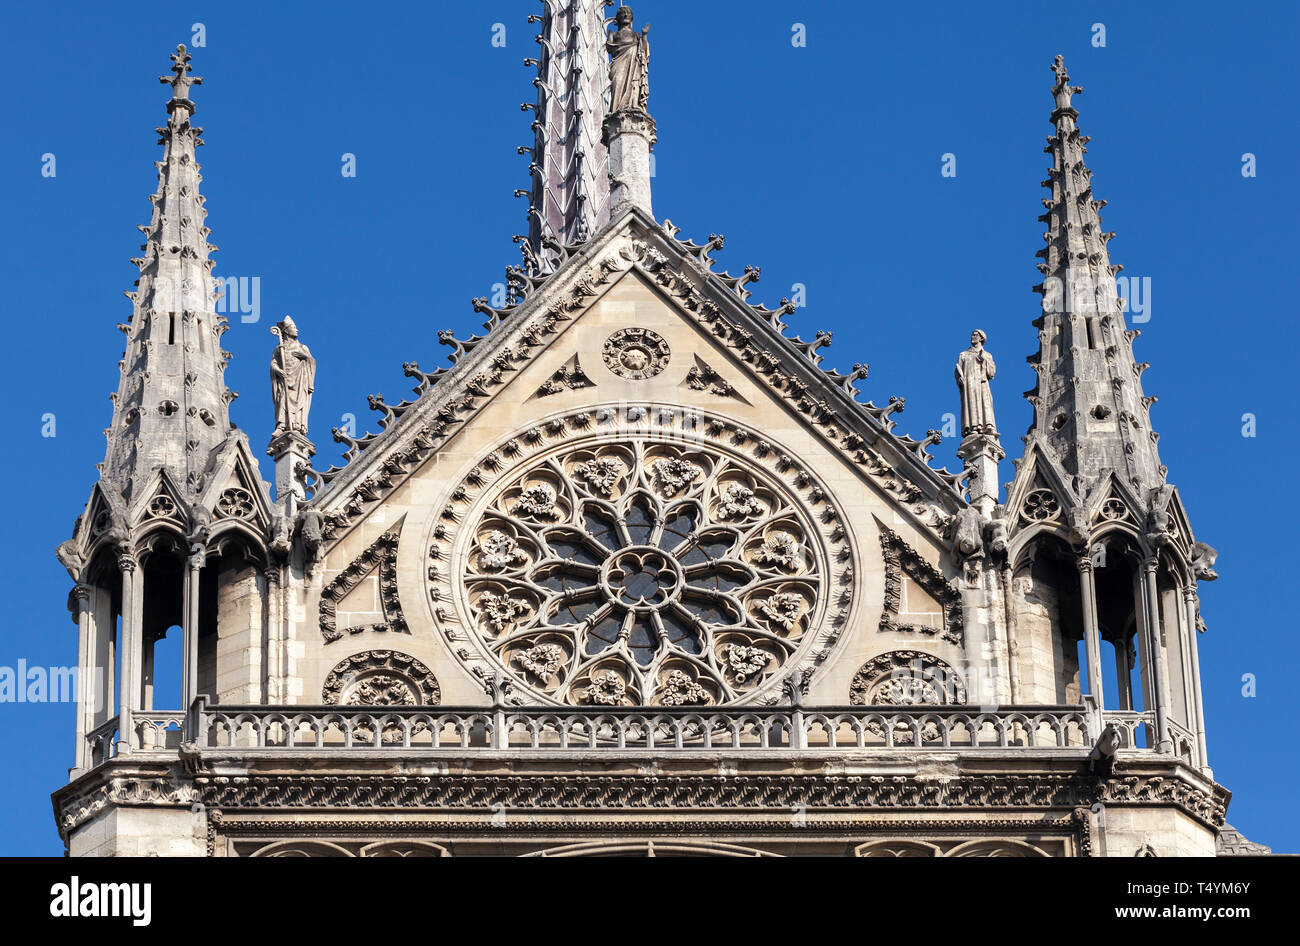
629,64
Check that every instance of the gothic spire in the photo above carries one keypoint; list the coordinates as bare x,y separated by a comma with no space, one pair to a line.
1090,414
569,198
171,407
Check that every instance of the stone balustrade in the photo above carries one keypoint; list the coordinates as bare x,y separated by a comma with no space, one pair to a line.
658,729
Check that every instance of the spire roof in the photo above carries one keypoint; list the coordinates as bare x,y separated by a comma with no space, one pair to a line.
1090,414
171,408
569,198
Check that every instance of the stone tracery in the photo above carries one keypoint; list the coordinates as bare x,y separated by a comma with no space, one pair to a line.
642,571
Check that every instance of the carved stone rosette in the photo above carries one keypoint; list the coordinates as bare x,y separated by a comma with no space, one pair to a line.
636,353
634,562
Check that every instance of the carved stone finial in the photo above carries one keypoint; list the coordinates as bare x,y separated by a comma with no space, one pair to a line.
181,80
1062,90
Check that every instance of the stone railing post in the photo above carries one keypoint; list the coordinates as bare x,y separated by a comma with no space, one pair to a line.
798,735
499,738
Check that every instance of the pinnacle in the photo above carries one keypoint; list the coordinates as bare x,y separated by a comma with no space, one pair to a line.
1084,363
174,413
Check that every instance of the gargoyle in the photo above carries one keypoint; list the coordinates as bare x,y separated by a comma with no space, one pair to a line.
1202,563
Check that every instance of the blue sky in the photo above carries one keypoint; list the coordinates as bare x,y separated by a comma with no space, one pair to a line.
820,163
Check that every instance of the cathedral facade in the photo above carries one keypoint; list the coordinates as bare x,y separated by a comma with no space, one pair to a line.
635,574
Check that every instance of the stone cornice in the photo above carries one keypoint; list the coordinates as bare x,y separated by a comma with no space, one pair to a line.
234,782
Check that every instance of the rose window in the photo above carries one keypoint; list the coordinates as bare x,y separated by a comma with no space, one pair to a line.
642,572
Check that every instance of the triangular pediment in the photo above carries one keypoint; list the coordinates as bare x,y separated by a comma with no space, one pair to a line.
1112,501
1169,517
1040,494
594,330
104,520
161,502
234,492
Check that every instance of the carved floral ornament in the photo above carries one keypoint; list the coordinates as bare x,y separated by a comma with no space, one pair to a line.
641,569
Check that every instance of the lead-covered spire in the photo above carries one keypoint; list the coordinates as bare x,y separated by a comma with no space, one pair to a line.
569,197
1090,414
171,406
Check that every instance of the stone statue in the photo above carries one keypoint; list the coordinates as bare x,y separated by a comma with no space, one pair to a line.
629,65
975,369
293,377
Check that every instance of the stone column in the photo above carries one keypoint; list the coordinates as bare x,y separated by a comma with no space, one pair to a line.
132,648
1091,637
630,136
273,611
1124,673
190,638
1198,708
290,449
1159,678
85,673
1009,623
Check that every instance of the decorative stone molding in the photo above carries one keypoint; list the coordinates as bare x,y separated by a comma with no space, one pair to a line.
162,791
236,503
381,678
343,848
901,558
381,555
742,793
393,837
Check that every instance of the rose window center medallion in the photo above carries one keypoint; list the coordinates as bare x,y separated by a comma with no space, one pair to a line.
641,572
